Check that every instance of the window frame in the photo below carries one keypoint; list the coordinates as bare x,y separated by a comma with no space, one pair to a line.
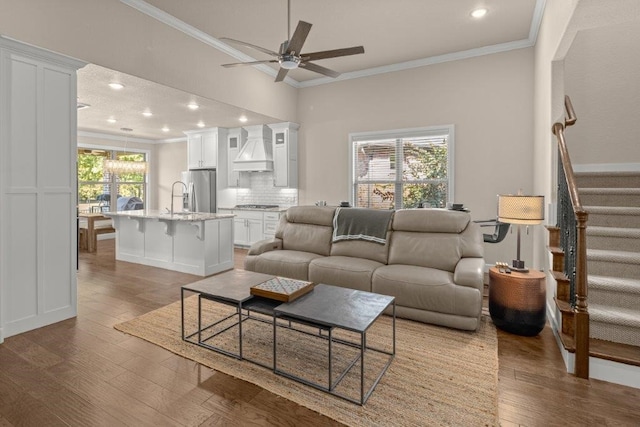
113,184
430,131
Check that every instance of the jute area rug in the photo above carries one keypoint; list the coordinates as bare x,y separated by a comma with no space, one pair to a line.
439,376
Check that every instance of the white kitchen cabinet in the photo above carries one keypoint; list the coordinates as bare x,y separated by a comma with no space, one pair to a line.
248,227
285,154
202,147
38,192
235,140
270,225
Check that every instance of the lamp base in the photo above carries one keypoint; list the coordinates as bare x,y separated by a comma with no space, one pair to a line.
518,265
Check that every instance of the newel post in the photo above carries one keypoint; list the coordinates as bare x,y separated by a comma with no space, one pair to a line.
581,310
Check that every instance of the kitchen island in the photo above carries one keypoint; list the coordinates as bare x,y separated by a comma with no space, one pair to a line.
195,243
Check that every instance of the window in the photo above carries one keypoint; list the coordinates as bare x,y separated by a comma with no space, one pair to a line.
402,169
96,185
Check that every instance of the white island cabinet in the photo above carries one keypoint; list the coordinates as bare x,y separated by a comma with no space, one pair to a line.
196,243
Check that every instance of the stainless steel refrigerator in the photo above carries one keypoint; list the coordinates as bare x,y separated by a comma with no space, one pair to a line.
201,190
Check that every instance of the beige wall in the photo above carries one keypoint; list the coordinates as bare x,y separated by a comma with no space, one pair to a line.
113,35
601,75
488,99
171,160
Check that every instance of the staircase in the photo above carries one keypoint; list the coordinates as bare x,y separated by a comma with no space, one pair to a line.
612,200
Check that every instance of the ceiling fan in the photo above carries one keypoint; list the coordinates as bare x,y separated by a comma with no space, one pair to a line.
289,56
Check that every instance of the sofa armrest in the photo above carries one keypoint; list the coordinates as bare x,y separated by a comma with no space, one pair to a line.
265,246
469,272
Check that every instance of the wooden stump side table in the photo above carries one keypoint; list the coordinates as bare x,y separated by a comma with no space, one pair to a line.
517,301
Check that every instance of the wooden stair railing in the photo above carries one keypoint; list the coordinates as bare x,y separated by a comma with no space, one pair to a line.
579,304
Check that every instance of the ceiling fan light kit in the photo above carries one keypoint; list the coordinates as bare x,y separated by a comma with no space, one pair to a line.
290,58
289,62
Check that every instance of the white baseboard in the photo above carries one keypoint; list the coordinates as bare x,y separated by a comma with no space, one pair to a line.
607,167
106,236
599,369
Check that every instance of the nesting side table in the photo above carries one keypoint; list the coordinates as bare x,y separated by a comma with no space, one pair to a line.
517,301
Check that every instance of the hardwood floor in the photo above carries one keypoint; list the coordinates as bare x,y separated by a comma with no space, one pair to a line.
83,372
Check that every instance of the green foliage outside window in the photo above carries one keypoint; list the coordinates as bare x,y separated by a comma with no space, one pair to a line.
421,177
425,163
94,184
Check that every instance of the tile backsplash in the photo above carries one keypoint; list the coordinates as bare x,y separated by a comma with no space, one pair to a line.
263,192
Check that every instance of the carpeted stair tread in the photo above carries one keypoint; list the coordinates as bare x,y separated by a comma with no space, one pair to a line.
606,196
606,190
613,238
614,291
613,210
615,315
620,325
608,179
614,284
630,233
622,257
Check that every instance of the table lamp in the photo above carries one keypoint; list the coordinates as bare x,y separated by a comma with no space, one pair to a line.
520,210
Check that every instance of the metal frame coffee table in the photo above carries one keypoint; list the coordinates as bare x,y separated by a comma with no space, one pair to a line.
229,288
326,308
330,307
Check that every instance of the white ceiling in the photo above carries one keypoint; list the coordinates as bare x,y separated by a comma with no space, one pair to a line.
396,34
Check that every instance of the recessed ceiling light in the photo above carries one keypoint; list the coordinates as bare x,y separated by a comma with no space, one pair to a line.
165,129
479,13
116,85
200,124
111,120
243,118
147,113
193,106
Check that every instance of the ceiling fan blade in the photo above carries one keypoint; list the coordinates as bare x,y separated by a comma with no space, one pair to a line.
298,38
319,69
281,74
314,56
238,64
252,46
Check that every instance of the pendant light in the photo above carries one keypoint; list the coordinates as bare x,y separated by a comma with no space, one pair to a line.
125,166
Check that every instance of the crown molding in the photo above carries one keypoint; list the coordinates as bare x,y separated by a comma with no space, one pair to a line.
39,53
455,56
172,21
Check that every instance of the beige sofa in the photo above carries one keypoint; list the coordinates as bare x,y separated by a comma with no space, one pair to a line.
432,261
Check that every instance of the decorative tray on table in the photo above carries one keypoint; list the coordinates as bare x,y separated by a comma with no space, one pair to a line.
282,289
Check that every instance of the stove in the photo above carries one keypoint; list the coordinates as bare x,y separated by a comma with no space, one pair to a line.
256,206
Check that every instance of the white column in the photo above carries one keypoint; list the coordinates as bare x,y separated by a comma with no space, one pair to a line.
37,187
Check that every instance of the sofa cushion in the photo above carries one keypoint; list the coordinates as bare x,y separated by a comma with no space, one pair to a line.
307,229
426,289
433,250
311,215
430,221
285,263
348,272
307,238
362,249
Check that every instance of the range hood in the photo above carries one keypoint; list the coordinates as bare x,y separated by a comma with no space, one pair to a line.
257,153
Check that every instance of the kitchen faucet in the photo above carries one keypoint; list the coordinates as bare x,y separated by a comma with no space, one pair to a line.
172,194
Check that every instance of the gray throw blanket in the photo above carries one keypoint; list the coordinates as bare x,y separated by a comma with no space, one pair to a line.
361,224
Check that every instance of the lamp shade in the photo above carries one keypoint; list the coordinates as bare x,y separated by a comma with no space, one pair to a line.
519,209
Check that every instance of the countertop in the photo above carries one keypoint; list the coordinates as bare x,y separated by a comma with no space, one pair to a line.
162,215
